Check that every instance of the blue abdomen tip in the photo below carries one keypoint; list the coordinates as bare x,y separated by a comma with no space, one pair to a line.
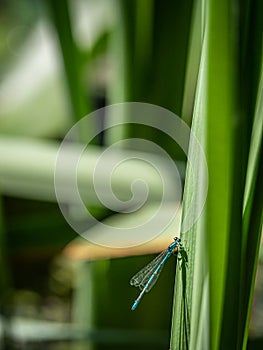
135,304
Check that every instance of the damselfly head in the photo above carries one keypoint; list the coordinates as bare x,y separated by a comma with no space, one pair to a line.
173,248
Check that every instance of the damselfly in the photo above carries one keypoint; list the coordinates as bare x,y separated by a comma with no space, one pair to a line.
146,278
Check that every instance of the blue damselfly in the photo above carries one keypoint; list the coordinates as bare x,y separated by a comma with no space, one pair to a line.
146,278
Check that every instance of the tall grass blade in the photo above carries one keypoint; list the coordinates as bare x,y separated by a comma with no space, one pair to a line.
252,216
78,92
194,271
208,242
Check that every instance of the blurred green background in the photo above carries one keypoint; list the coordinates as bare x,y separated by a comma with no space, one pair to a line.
59,61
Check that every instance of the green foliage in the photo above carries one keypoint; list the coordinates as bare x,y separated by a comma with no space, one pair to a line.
151,51
214,293
73,64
